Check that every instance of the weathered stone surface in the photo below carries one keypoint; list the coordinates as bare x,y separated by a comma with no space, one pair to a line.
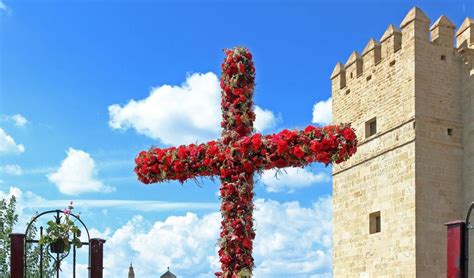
418,169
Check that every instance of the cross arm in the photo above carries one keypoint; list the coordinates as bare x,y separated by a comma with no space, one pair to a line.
330,144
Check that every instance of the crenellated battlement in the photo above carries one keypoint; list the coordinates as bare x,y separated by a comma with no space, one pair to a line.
409,97
414,28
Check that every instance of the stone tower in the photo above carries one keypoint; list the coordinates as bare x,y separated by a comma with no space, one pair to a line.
131,273
410,98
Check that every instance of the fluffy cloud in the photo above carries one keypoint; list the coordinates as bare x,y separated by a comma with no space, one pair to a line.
17,119
8,144
264,119
290,179
291,240
11,169
180,114
322,112
77,173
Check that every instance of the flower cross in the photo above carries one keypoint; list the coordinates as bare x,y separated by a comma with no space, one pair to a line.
238,154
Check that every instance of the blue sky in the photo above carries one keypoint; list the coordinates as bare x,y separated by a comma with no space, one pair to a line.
69,69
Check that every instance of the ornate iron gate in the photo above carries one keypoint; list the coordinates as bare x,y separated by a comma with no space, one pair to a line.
19,265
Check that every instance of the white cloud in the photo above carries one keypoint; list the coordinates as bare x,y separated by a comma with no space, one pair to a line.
291,240
291,178
13,191
3,6
322,112
11,169
264,119
17,119
180,114
8,144
77,173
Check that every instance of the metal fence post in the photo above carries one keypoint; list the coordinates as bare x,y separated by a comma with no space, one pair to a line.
17,255
97,257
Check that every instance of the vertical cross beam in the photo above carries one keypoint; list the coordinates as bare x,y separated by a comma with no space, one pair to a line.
455,246
97,258
17,258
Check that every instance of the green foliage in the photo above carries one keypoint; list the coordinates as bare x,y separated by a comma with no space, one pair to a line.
8,219
62,229
33,252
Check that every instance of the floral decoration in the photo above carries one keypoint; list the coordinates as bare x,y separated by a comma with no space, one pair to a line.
64,230
238,155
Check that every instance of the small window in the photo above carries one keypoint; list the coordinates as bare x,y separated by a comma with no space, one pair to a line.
392,63
370,127
450,131
443,57
375,222
369,77
348,91
352,75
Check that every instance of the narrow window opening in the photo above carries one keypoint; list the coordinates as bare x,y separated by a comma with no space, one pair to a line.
392,63
352,75
369,77
450,131
414,125
370,127
443,57
375,222
348,91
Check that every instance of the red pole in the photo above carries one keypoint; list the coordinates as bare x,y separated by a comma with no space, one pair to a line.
17,255
456,255
97,257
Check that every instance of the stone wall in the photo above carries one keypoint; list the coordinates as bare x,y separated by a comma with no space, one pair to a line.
419,90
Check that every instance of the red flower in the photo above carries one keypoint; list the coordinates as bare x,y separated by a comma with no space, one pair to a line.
298,152
212,150
282,146
182,152
316,146
256,141
309,128
241,68
237,155
248,167
348,134
247,243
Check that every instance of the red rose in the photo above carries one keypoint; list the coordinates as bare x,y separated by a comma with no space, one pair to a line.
348,134
238,91
309,128
315,146
248,167
282,146
212,150
247,243
241,68
182,152
298,152
256,141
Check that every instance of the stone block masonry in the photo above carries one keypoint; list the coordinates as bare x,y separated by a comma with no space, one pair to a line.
410,98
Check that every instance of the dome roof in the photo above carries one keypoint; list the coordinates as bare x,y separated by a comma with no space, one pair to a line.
168,274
